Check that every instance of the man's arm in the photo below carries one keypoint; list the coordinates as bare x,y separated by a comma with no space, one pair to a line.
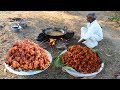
80,43
82,40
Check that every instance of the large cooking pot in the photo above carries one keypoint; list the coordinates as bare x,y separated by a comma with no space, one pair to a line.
55,32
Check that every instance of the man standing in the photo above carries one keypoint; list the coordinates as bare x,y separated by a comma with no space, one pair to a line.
92,33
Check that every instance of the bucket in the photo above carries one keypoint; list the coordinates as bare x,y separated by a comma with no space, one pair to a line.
15,28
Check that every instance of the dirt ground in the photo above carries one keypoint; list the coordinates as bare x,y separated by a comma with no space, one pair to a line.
74,20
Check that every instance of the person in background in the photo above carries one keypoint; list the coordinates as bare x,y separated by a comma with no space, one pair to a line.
92,33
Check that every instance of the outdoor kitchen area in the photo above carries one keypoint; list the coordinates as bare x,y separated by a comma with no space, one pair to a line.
44,45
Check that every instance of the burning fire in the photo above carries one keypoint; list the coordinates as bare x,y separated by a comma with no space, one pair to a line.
52,41
61,38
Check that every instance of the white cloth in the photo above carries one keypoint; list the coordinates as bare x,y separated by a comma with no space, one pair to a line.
92,34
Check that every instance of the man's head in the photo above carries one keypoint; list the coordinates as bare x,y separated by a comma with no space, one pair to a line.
91,17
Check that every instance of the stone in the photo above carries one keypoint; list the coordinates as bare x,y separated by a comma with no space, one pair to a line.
2,25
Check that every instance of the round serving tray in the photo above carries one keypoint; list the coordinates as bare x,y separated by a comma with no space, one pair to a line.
74,73
30,72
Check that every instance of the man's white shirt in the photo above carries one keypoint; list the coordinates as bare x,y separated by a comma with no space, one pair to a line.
93,28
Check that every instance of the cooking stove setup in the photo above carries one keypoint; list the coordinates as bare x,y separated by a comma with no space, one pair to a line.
55,37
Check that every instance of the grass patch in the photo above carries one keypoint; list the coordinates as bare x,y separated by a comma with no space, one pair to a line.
116,19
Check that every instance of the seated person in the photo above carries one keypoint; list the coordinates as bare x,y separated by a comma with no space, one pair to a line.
92,33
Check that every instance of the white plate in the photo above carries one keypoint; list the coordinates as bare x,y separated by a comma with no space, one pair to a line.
31,72
74,73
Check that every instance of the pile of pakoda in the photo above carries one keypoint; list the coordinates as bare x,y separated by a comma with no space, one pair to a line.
26,55
82,59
